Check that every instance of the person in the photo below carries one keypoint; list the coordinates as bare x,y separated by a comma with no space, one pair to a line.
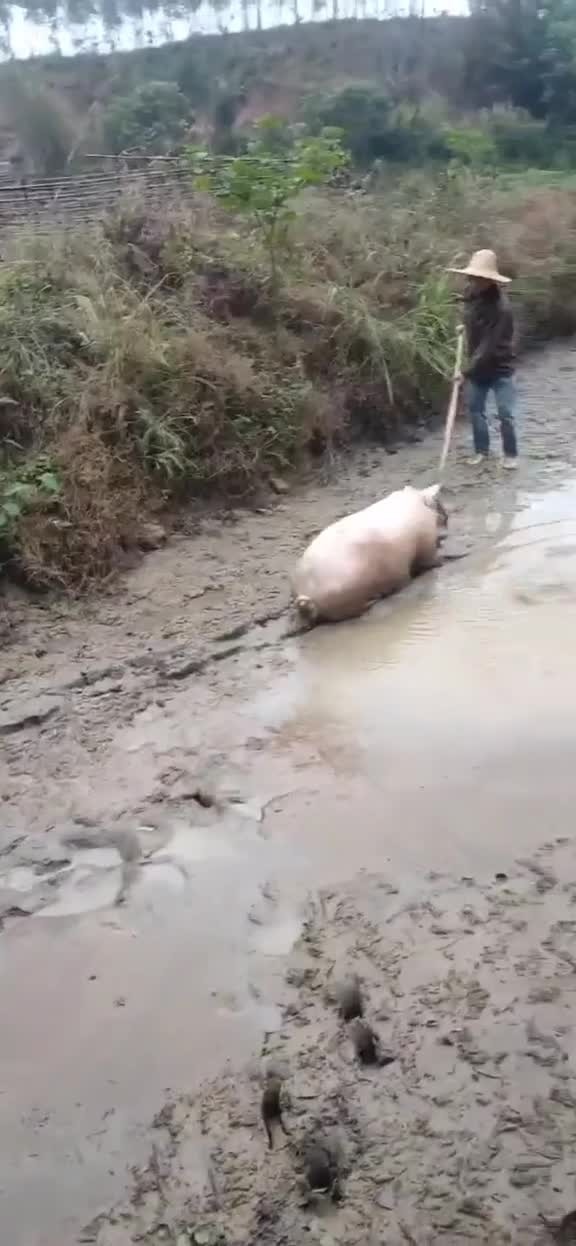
489,325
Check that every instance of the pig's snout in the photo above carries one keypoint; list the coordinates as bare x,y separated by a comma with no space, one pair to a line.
307,609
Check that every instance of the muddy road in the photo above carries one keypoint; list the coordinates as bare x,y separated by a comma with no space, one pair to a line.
206,819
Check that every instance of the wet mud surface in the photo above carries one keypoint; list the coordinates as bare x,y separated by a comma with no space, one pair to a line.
464,1130
207,819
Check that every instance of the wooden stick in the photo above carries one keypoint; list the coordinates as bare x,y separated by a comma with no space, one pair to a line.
453,405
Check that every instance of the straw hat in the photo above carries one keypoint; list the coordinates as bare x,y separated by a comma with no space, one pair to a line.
483,264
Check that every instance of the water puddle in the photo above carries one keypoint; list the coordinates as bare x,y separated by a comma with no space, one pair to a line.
279,938
434,733
193,844
84,891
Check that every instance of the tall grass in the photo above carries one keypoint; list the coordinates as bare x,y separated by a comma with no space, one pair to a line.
146,361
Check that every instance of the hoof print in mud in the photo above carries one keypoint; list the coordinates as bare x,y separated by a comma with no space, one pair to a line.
271,1107
321,1171
366,1044
349,999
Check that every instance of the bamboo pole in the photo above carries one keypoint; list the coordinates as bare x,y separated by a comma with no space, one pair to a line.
454,396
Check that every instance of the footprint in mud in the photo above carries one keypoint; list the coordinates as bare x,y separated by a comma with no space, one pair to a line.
104,867
84,890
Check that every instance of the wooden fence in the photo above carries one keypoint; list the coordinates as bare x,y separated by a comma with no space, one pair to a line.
86,197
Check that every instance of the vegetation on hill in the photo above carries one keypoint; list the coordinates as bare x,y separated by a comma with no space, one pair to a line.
496,87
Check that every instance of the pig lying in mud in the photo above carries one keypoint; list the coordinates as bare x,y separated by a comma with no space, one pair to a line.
369,555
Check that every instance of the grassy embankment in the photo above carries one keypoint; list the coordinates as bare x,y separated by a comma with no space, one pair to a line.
146,363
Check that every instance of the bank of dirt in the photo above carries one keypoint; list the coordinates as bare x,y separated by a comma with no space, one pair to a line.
218,769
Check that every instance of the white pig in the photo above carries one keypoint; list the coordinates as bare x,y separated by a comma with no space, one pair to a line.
369,555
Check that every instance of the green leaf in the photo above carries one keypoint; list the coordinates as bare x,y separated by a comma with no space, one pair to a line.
11,509
49,482
18,489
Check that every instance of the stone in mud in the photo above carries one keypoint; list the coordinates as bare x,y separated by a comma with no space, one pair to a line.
206,1235
522,1177
150,536
278,485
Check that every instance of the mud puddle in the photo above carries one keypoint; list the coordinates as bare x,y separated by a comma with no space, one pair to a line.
176,861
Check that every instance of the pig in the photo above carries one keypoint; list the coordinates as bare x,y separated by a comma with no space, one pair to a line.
369,555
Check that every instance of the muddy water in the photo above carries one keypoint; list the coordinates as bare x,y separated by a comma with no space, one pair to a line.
435,733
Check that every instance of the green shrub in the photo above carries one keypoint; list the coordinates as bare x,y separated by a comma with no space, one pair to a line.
155,115
362,115
471,145
520,139
263,183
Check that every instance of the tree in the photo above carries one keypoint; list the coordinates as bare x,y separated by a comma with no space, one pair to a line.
373,128
262,184
523,52
471,145
560,61
36,117
191,76
154,115
363,115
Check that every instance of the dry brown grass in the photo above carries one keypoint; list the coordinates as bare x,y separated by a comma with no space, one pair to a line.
102,502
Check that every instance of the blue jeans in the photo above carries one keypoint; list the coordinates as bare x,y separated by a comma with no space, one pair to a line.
504,391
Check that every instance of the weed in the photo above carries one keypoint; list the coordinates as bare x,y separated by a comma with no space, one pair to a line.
33,483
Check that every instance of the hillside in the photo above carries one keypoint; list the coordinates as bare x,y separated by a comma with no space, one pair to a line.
393,87
231,78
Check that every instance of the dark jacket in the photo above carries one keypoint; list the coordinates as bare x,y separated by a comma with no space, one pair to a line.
490,336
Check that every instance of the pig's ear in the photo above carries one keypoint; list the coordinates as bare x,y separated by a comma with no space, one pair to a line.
431,495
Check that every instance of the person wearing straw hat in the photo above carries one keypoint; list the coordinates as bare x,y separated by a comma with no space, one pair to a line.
489,324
